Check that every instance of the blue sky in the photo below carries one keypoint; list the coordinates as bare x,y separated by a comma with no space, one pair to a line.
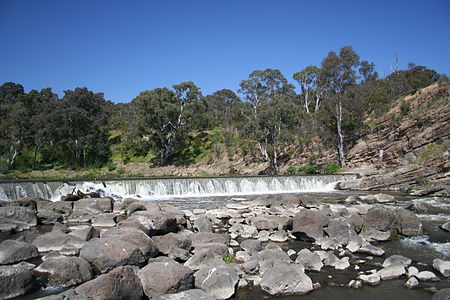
121,48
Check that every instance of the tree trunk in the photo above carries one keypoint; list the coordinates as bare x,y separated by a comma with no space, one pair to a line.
339,134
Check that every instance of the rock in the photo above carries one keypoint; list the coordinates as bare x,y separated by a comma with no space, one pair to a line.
49,212
263,235
355,284
355,243
327,243
120,283
217,248
16,280
270,257
426,276
408,223
202,224
104,205
84,232
218,281
443,266
196,294
340,231
174,245
412,282
392,271
57,240
356,221
379,224
412,271
135,236
310,203
104,220
308,224
105,254
384,198
310,261
396,259
252,246
372,279
352,200
163,276
342,263
268,222
279,236
12,252
152,223
251,266
204,258
445,226
443,294
65,271
419,207
286,279
207,237
245,231
370,249
23,216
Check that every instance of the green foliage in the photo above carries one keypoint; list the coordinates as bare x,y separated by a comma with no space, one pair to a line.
331,169
404,107
433,151
309,169
230,259
292,170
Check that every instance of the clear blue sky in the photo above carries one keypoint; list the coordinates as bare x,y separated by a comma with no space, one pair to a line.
123,47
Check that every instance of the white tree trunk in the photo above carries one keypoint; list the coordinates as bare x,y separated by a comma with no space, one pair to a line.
340,135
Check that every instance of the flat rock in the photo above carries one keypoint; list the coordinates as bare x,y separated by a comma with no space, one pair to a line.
12,251
218,281
396,259
16,280
443,266
104,220
426,276
56,241
370,249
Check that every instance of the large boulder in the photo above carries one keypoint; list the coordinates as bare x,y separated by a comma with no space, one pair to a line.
105,254
218,281
407,222
251,246
309,260
65,271
286,279
120,283
174,245
209,237
204,258
193,294
49,212
202,224
308,224
100,204
340,231
396,259
443,266
164,276
271,257
392,271
16,280
56,241
23,216
379,224
152,222
134,236
12,251
269,222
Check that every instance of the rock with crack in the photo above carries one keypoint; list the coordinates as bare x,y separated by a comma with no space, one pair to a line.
308,224
379,225
16,280
218,281
12,251
310,261
65,271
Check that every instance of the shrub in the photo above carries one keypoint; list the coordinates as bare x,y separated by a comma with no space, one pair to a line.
229,259
309,169
292,170
331,169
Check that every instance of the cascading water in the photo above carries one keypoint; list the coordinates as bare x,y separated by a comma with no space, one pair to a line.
152,189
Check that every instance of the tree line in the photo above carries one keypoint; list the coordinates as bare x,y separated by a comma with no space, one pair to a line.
267,118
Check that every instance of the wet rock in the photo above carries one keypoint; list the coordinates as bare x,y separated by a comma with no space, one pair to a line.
408,223
426,276
310,261
412,282
268,222
379,225
286,279
252,246
57,240
202,224
207,237
134,236
370,249
443,266
392,271
445,226
120,283
196,294
355,284
443,294
163,276
372,279
218,281
16,280
396,259
308,224
65,271
105,254
12,252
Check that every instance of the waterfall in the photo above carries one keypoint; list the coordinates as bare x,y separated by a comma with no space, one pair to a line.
164,188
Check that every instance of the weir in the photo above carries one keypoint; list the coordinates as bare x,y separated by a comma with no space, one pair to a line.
164,188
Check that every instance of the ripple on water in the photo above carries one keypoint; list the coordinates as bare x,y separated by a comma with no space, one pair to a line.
423,243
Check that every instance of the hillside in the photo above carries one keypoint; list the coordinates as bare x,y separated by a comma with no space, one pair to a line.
408,146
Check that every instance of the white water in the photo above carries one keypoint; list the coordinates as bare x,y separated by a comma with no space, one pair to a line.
151,189
423,243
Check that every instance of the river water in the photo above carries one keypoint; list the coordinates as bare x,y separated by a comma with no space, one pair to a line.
422,249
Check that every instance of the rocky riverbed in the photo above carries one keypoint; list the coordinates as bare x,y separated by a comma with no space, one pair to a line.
279,246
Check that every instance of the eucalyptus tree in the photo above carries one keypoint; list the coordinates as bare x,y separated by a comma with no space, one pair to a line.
164,116
310,86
